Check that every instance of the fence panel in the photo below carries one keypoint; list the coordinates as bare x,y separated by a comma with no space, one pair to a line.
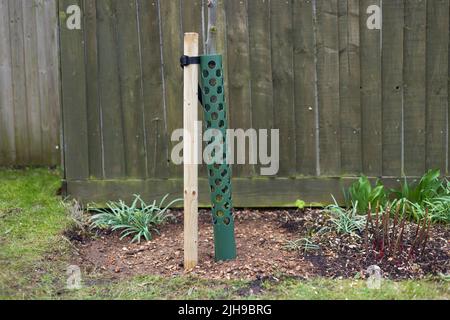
29,83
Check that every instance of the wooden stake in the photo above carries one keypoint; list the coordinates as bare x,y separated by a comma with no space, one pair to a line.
191,43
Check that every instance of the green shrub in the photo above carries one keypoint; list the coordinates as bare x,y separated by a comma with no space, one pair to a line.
364,194
138,220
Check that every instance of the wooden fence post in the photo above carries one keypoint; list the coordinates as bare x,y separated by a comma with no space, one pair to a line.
191,45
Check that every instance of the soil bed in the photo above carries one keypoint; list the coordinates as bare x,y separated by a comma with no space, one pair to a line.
262,237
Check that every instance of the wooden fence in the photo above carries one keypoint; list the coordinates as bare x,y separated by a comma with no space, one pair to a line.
29,83
347,99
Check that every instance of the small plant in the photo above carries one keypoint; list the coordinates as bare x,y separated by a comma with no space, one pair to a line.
300,204
346,221
77,214
138,220
386,238
304,245
429,187
439,209
364,194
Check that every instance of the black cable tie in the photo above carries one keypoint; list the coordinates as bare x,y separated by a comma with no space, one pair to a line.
186,61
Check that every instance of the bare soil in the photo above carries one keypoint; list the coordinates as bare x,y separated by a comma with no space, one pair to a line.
261,239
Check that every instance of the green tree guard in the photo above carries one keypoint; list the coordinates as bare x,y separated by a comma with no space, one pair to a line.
215,109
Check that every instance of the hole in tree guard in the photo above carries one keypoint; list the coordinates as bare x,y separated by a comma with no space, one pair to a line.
227,221
205,74
213,82
212,64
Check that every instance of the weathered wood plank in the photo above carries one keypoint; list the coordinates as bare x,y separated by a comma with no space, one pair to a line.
239,89
7,134
131,90
437,67
305,88
52,130
328,86
92,91
414,101
17,45
247,192
261,66
153,94
371,95
350,84
192,19
172,50
283,83
109,91
48,57
393,31
74,97
32,81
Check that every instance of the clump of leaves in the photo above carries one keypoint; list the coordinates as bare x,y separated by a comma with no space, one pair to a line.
429,193
304,245
439,209
139,220
429,187
346,221
364,194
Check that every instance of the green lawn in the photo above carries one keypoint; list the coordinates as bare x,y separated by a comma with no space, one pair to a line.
34,256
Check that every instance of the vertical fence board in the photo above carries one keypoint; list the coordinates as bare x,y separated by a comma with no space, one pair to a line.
130,86
239,89
74,97
283,83
47,62
192,16
393,29
152,82
437,84
350,84
7,134
328,86
260,64
32,81
415,87
172,50
92,91
371,94
305,87
109,91
17,43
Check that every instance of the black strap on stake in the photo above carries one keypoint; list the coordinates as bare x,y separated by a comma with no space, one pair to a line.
186,61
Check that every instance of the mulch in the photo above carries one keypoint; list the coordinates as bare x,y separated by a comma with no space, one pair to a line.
261,243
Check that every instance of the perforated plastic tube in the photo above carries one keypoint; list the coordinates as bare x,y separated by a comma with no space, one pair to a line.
219,172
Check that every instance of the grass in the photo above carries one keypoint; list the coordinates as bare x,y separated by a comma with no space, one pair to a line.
34,257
